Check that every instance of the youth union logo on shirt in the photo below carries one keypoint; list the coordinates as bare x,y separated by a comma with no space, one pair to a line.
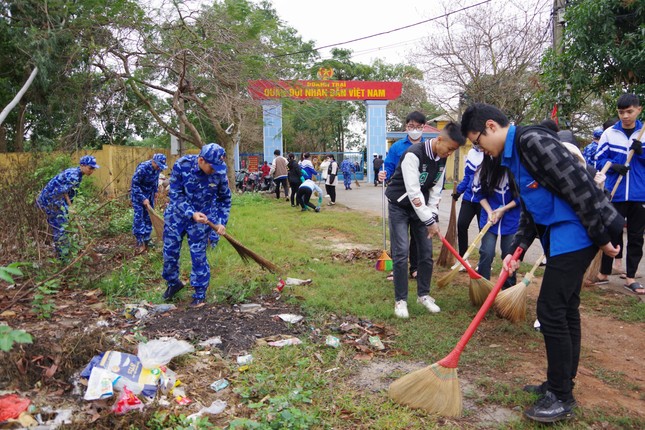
422,178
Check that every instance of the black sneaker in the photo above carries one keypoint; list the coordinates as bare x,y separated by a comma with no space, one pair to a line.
550,409
196,302
540,390
172,290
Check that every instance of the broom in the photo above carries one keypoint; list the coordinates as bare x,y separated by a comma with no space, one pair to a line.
594,266
384,262
479,287
450,276
445,258
157,222
511,303
245,253
436,387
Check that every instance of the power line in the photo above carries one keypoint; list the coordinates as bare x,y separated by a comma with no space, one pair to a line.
383,32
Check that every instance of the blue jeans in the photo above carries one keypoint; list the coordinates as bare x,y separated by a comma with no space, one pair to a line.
487,254
400,220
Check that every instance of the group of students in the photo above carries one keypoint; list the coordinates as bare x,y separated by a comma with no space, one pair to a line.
529,185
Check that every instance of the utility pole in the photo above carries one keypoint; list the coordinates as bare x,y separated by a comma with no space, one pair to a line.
558,24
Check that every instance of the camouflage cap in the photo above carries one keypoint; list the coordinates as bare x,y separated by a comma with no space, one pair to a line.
214,155
88,160
160,159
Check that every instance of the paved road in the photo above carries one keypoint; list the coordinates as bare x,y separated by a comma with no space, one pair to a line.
368,198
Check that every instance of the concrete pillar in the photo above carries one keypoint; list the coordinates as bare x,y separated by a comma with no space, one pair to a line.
376,132
272,133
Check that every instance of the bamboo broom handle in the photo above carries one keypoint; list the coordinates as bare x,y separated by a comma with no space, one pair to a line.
529,276
472,246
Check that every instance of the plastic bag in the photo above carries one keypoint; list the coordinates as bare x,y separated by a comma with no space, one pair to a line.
159,352
127,401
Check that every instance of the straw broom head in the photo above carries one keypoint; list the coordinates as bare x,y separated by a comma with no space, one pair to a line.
434,388
479,290
446,259
511,303
157,222
246,254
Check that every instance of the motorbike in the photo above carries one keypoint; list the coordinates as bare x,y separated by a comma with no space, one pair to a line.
251,182
239,180
267,184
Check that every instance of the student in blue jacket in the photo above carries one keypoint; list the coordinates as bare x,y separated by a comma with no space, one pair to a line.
470,207
572,218
614,146
500,203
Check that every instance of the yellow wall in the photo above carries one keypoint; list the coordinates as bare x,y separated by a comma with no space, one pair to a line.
118,164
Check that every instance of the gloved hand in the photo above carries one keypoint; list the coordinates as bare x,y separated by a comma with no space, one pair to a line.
455,196
621,169
637,147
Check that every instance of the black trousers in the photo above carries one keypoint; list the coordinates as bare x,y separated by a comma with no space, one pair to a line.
331,190
278,182
294,190
303,197
559,315
467,212
635,215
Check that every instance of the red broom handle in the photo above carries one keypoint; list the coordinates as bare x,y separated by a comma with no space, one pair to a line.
452,359
471,272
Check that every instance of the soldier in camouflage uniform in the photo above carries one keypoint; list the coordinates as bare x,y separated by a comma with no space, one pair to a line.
145,183
58,195
347,167
199,191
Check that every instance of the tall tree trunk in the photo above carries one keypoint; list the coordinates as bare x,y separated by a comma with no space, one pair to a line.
20,128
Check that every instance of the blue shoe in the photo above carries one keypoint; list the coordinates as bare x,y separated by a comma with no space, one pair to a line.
172,290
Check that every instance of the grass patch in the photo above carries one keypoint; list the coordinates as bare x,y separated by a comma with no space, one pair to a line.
310,385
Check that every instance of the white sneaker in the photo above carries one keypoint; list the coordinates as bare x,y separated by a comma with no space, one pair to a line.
429,304
401,309
537,325
462,268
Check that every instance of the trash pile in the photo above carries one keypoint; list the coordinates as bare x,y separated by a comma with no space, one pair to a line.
136,375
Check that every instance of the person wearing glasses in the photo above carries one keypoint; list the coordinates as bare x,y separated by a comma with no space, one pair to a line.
414,194
58,195
415,122
572,217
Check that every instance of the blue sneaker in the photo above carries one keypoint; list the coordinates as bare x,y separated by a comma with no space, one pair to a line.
172,290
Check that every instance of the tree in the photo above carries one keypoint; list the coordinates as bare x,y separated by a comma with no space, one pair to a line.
199,62
602,55
484,55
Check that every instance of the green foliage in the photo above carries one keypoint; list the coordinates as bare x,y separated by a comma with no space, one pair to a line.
165,421
42,304
8,337
8,272
120,221
602,54
280,413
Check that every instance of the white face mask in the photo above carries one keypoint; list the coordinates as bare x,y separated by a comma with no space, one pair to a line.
415,134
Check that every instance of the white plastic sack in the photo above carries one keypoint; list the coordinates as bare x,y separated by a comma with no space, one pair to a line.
159,352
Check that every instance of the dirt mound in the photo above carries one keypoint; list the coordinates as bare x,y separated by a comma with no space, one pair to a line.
237,329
